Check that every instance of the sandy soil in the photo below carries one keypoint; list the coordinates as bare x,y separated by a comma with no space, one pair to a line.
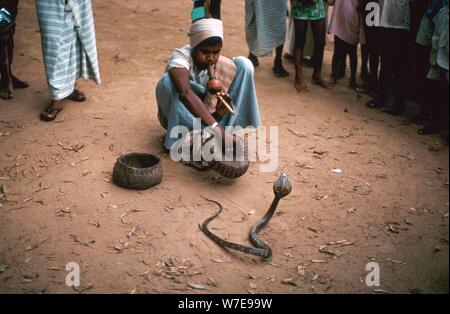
390,202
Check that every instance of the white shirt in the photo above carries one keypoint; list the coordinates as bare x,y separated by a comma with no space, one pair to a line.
182,58
395,14
439,52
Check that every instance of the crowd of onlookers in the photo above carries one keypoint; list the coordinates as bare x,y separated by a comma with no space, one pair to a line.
403,49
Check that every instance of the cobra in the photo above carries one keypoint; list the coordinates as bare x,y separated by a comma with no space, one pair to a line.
282,188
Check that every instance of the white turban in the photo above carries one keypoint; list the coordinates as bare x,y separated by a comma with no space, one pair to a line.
204,29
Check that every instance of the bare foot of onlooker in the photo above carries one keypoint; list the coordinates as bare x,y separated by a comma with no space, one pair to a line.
5,93
300,83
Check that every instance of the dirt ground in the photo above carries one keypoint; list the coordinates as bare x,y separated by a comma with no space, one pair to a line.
390,203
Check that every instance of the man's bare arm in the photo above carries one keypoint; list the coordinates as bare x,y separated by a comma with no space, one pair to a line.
180,77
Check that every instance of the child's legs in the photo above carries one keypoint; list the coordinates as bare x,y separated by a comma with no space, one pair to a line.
440,104
373,45
352,51
387,61
4,62
365,62
338,57
319,33
301,28
400,57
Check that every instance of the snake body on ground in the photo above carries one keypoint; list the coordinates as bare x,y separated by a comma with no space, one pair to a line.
282,188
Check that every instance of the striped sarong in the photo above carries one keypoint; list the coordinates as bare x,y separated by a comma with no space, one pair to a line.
68,44
265,25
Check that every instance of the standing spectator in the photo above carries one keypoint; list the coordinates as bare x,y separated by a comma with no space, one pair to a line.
346,27
394,26
307,12
7,51
422,52
206,9
437,105
308,50
265,24
69,50
373,39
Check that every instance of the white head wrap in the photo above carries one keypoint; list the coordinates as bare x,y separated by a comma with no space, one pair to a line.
204,29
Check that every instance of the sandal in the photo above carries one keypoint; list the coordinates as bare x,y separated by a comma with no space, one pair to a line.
77,96
50,113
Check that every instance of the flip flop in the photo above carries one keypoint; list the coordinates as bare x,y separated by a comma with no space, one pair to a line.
50,113
77,96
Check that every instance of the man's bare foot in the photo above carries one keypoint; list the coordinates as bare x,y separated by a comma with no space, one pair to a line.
300,84
18,84
318,80
5,93
52,110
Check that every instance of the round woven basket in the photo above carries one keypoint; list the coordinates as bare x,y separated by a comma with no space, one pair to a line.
137,171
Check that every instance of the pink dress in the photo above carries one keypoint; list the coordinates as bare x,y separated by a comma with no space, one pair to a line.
345,22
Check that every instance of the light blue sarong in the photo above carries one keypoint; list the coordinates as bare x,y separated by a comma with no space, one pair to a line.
172,112
68,44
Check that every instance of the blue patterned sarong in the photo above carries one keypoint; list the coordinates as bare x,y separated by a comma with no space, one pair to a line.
68,44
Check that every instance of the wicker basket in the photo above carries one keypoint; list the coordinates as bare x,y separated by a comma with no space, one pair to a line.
138,171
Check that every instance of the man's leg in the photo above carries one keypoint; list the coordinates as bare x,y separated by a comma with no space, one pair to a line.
171,111
319,32
387,66
214,9
365,76
17,83
352,51
338,57
278,68
5,92
400,70
243,95
301,28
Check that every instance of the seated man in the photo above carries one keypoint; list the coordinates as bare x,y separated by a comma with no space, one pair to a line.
182,95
